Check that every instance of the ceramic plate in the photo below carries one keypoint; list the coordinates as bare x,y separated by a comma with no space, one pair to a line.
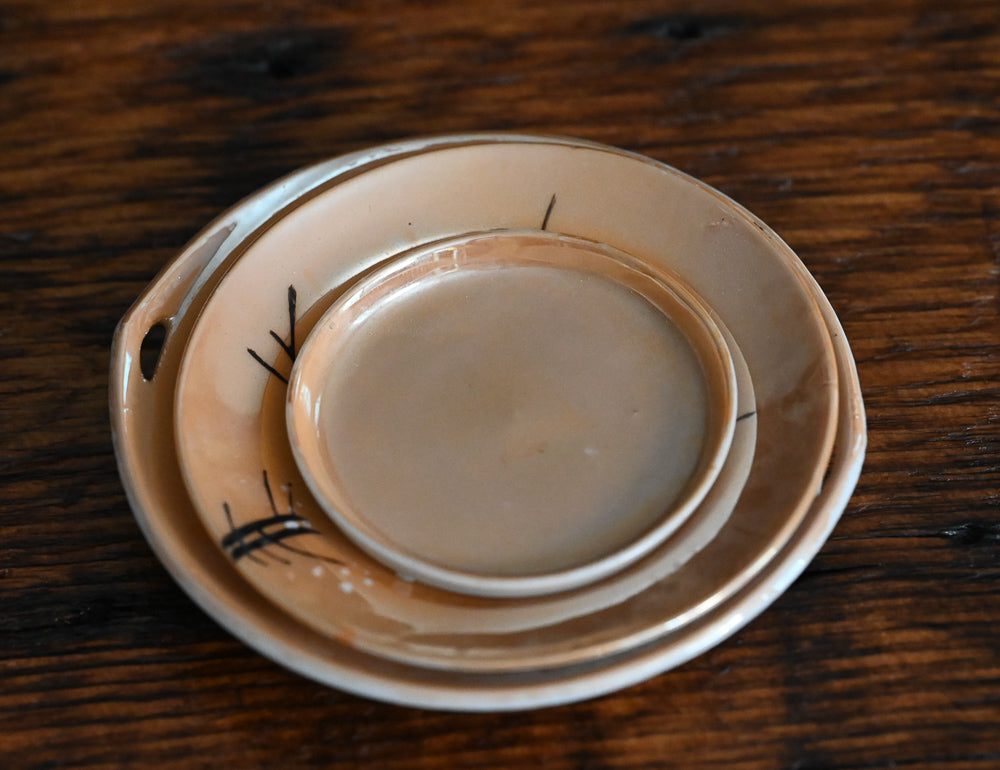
512,413
662,217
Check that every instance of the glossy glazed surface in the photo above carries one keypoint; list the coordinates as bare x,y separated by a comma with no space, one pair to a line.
512,413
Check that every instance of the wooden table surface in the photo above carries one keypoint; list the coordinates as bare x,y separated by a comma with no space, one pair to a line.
866,133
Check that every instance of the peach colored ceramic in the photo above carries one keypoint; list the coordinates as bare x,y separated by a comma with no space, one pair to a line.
512,413
142,414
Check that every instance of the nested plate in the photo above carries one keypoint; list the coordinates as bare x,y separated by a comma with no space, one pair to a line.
512,413
666,219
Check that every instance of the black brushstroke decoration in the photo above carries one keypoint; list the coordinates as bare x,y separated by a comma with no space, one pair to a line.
288,347
257,535
267,366
548,211
235,538
292,296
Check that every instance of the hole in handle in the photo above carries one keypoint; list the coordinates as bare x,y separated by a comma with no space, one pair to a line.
151,349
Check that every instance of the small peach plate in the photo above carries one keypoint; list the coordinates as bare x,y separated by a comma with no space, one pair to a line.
512,413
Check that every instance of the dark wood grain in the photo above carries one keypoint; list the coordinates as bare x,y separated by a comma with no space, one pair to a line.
867,134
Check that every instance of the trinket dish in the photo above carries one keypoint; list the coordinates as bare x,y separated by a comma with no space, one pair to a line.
510,414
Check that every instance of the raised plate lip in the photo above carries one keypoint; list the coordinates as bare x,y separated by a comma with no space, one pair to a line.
712,350
215,585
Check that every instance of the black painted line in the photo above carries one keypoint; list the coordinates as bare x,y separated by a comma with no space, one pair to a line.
258,526
287,348
237,539
264,541
292,296
270,497
548,211
266,365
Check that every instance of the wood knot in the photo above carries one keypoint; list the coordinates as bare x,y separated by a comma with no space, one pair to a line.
971,533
